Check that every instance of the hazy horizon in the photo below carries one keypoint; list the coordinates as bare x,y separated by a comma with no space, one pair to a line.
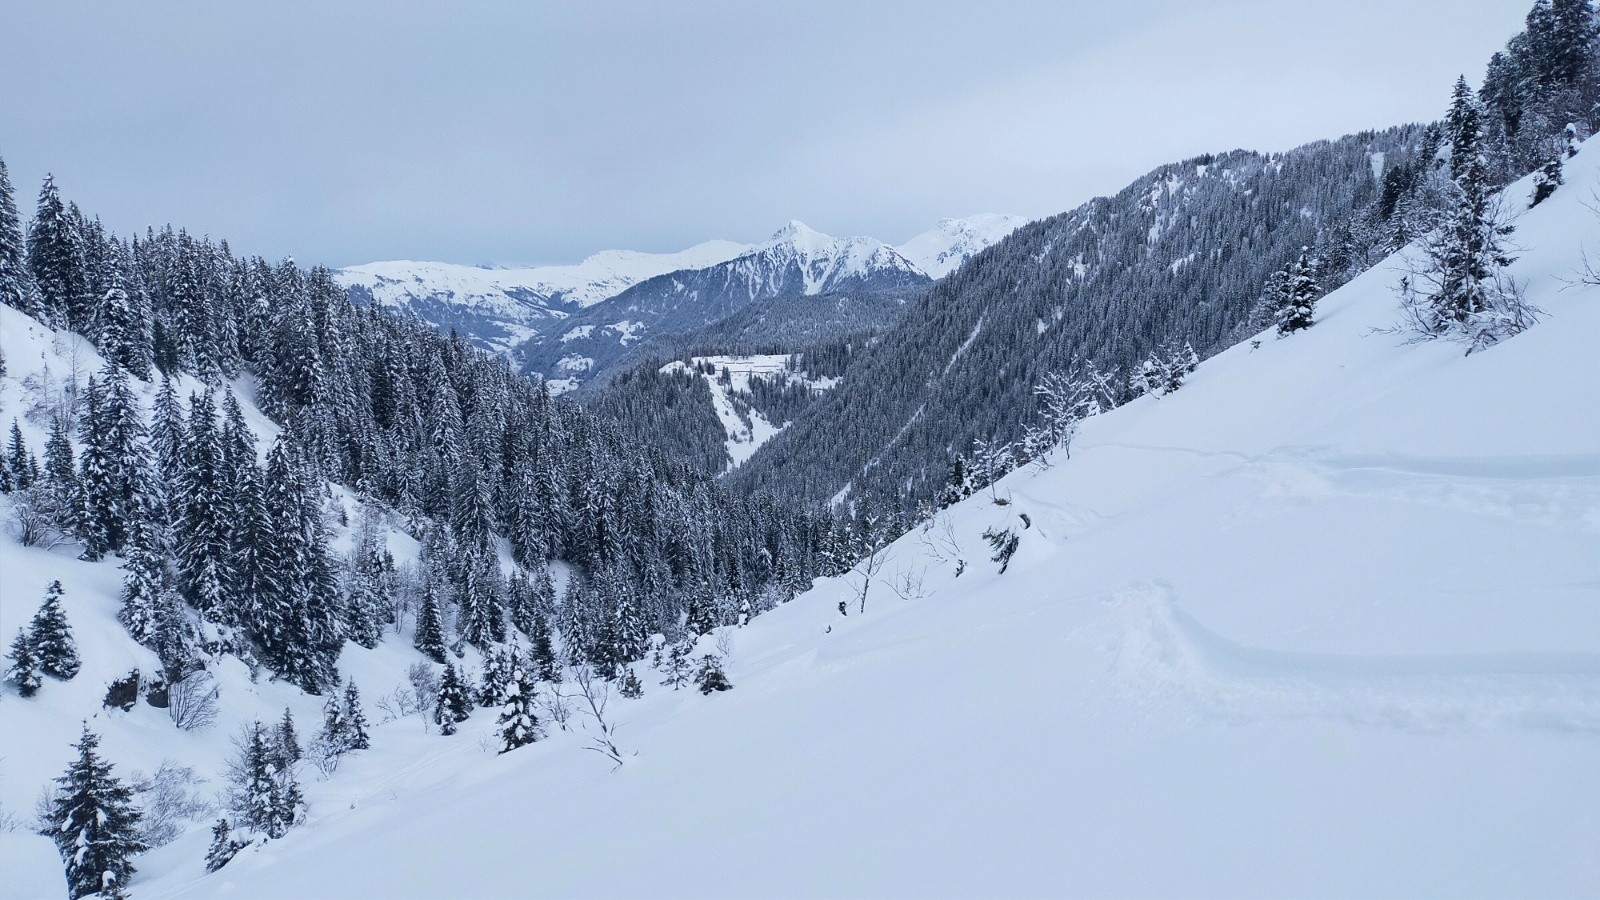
512,134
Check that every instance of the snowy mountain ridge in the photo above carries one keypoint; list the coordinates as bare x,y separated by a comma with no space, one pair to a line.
501,307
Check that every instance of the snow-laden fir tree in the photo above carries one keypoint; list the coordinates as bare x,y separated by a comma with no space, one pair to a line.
429,636
677,668
21,464
709,676
1297,299
498,665
51,637
286,742
62,489
205,513
16,282
518,724
22,669
629,684
454,703
94,824
264,797
1460,288
113,470
542,652
126,340
223,846
56,259
144,578
355,720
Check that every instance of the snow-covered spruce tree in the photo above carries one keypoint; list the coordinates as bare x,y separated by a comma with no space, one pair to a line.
1547,179
286,742
23,668
56,259
369,603
429,636
629,684
126,340
498,664
1297,298
223,846
16,282
173,638
112,471
454,702
51,637
297,627
541,650
1460,288
263,797
710,677
676,666
144,578
355,720
94,824
204,513
518,724
20,462
63,492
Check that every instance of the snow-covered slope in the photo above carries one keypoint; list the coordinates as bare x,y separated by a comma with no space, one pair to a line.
796,261
747,428
1325,622
504,306
943,248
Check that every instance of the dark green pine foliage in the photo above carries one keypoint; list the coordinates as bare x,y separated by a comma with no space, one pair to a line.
1299,295
51,637
113,470
297,625
454,702
518,724
63,491
125,336
541,650
145,568
355,720
264,796
709,677
629,685
23,670
429,636
168,435
223,846
370,603
174,638
498,664
20,463
1462,286
94,824
205,514
286,742
56,259
16,281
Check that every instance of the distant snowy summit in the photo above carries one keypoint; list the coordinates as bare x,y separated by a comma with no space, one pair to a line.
943,248
501,308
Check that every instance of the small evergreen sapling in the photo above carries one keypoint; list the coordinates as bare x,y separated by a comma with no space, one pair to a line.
223,846
51,637
24,669
454,702
630,686
710,677
518,724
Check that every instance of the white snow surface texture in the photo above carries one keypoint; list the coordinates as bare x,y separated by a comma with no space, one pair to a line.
1325,622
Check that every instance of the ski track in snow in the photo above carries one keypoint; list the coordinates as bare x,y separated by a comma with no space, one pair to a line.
1165,657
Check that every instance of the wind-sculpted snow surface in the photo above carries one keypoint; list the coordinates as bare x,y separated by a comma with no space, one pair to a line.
1324,622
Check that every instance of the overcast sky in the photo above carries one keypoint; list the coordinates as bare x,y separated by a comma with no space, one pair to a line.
345,132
